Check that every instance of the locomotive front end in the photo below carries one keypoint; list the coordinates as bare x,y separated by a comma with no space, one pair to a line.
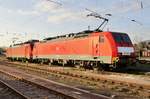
125,50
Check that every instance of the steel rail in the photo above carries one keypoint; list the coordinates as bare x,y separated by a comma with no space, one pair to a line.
14,90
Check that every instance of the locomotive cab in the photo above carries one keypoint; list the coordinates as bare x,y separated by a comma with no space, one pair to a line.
112,49
124,47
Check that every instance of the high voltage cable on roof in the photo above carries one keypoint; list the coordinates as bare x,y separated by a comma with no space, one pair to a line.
96,15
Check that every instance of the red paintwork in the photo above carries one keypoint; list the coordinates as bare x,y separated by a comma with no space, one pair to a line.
20,51
78,46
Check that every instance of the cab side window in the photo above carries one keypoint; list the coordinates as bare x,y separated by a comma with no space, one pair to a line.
101,39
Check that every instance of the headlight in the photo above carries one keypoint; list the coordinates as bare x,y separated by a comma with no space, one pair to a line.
115,59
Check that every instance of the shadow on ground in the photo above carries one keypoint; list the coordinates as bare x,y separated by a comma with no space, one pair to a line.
136,69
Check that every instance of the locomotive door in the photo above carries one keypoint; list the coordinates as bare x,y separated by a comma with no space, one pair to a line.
96,48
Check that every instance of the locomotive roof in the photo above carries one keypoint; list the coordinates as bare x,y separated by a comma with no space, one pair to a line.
71,35
27,42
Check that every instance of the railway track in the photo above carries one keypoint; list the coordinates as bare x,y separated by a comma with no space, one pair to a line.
39,88
8,92
136,88
29,90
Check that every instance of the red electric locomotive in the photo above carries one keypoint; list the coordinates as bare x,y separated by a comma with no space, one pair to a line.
108,49
88,49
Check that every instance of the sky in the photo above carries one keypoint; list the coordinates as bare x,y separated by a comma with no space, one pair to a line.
22,20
